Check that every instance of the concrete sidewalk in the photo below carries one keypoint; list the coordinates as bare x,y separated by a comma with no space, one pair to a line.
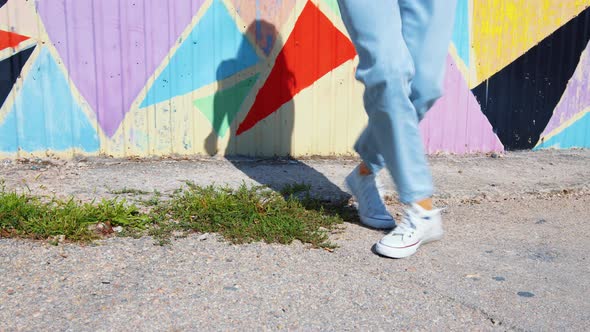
515,255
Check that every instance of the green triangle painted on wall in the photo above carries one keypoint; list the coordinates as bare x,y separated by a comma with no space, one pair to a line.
333,4
222,107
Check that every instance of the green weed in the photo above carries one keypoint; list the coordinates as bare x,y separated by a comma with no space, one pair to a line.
27,216
125,191
295,188
242,215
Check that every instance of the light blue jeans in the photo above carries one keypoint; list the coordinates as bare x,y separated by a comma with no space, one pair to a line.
402,47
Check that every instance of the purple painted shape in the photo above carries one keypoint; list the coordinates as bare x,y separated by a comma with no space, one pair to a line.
112,47
576,97
456,123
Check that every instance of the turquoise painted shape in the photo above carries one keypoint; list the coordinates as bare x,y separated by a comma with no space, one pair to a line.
461,31
333,4
577,135
222,107
197,63
45,115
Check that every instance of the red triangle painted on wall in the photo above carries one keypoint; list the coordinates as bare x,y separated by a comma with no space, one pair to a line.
314,48
10,39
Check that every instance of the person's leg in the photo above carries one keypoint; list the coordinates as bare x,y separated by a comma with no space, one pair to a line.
386,68
426,27
362,182
375,29
365,146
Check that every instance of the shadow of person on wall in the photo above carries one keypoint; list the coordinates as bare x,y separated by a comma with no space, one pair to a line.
251,151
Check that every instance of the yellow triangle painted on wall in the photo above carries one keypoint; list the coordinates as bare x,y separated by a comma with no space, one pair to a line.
503,30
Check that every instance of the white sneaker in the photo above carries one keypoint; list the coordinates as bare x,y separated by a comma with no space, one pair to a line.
419,226
371,208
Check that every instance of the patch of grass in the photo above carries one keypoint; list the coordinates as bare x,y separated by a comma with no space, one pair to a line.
242,215
27,216
302,193
125,191
247,214
295,188
152,201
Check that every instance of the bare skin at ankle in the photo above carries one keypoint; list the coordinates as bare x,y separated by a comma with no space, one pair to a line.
364,170
426,204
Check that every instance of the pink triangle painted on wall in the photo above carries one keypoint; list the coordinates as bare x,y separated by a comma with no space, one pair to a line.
456,124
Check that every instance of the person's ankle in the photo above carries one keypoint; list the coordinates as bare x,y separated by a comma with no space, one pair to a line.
426,204
364,170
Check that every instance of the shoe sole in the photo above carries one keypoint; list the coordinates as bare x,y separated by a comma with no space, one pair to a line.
394,252
368,221
377,223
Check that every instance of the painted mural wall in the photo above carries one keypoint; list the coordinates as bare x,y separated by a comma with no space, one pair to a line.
273,77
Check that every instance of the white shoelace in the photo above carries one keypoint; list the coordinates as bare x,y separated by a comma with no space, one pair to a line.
405,227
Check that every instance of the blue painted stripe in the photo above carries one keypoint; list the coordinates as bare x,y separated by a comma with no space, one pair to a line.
197,62
45,115
461,30
577,135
